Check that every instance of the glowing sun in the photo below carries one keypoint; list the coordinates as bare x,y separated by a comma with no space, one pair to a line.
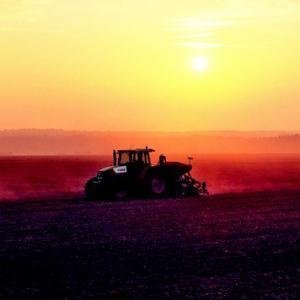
200,63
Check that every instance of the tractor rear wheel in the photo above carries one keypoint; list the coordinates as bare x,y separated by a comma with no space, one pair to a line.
158,186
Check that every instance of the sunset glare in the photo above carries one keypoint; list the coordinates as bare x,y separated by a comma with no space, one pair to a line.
150,65
200,64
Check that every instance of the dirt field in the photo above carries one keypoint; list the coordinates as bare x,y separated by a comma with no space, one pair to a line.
242,242
233,246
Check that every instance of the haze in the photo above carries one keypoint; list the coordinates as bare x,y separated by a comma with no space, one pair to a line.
128,65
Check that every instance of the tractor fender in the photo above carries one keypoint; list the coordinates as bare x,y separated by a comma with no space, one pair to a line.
157,170
170,170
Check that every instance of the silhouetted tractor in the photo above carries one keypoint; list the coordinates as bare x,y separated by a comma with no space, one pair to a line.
133,174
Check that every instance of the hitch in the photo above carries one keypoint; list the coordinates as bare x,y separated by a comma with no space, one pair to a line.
189,186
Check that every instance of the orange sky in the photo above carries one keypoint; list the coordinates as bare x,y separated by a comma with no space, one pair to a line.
132,65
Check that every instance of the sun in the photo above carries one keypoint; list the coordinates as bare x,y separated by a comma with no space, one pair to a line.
200,64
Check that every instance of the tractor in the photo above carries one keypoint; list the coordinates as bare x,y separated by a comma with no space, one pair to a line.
132,174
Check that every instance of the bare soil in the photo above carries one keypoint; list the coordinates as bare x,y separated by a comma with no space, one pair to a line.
244,245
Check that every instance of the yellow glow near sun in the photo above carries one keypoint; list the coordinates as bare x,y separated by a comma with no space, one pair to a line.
200,63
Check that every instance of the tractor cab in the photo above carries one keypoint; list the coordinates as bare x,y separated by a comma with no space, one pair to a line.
132,157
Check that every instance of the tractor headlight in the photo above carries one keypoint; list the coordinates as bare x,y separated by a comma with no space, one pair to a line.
100,176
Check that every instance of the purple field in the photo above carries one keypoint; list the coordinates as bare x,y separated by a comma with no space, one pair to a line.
241,242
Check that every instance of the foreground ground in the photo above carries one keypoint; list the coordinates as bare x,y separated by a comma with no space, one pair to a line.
235,246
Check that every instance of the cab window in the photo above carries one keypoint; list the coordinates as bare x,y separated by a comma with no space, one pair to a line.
124,158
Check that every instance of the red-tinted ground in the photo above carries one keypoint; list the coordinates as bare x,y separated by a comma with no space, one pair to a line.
242,245
57,177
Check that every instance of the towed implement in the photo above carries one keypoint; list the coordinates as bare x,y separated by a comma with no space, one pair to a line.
132,174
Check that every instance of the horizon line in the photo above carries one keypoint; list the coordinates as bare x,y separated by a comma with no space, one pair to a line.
155,131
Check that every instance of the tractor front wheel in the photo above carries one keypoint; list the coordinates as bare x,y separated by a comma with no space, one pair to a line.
120,194
91,190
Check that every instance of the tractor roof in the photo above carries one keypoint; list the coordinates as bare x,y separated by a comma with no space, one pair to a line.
135,150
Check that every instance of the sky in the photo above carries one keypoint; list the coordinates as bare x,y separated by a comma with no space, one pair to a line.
158,65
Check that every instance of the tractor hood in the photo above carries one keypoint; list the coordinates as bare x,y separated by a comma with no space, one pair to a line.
115,169
106,169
